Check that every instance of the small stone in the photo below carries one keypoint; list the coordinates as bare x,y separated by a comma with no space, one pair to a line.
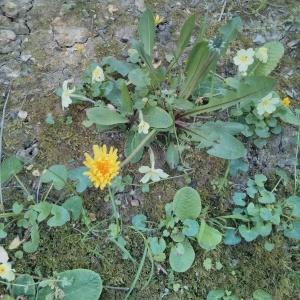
140,4
112,8
135,203
68,35
259,39
125,34
36,173
92,217
22,114
10,9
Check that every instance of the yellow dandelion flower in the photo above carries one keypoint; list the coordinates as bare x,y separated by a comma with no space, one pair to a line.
103,167
158,20
286,101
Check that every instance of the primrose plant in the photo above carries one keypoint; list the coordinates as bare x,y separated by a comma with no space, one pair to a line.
152,103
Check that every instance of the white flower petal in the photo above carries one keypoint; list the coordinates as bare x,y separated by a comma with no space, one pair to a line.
144,169
3,255
145,178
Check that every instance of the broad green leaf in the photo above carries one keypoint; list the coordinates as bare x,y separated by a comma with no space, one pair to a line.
182,256
208,237
157,246
74,205
10,167
77,284
172,156
261,295
121,67
293,202
139,222
230,237
44,210
215,295
249,234
139,78
157,117
229,31
250,89
275,52
185,34
60,216
17,208
191,227
146,29
227,147
82,181
133,139
105,116
24,287
3,233
293,230
287,116
199,63
187,203
126,101
56,174
32,245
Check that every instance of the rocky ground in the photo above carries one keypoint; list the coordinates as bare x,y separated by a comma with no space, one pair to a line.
43,43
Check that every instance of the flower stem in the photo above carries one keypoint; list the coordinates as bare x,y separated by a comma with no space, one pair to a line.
138,148
114,206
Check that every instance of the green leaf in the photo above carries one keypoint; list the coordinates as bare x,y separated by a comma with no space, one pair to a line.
157,117
82,181
139,222
44,210
10,167
293,202
215,295
230,237
260,179
185,34
269,246
146,29
191,227
60,216
187,203
207,264
199,63
208,237
32,245
227,147
266,197
229,31
126,103
181,256
287,116
275,52
249,234
157,246
77,284
24,287
104,116
139,78
239,199
74,205
17,208
133,139
121,67
172,156
261,295
56,174
249,89
3,233
293,230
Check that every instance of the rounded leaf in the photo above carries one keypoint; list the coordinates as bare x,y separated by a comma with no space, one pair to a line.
182,256
208,237
187,203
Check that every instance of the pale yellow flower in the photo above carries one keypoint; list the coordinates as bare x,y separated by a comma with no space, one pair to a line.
98,74
66,94
103,167
158,20
6,271
268,104
243,59
286,101
143,126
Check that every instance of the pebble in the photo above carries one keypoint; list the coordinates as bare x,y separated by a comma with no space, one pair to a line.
259,39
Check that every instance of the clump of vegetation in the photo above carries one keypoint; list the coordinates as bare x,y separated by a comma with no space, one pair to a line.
159,105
